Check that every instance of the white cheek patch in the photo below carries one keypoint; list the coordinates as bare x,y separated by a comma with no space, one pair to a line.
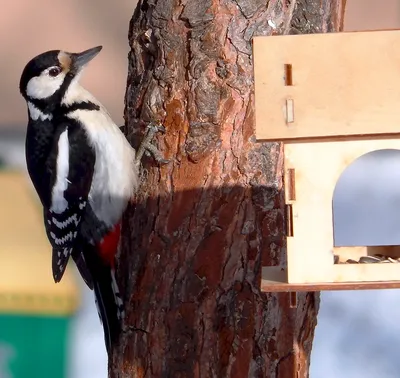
43,86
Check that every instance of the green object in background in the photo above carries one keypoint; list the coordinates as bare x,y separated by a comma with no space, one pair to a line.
35,313
33,346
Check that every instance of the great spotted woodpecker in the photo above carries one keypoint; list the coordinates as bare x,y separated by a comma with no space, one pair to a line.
84,171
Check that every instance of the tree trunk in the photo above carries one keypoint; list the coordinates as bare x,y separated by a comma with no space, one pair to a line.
204,224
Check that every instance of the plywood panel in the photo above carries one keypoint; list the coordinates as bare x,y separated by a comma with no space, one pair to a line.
366,272
274,280
317,167
343,84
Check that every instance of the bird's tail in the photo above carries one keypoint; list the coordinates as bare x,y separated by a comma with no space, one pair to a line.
107,296
109,304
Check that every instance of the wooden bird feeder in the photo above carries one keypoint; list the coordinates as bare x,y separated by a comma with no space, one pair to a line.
334,101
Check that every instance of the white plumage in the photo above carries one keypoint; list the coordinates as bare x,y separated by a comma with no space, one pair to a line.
113,185
76,153
58,202
36,113
44,85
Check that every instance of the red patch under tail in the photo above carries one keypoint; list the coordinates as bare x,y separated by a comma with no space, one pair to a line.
109,245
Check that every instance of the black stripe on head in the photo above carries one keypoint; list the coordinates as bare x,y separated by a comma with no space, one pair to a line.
36,66
52,104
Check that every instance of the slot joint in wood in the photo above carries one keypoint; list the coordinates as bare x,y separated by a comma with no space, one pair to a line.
289,110
289,220
288,75
291,184
293,299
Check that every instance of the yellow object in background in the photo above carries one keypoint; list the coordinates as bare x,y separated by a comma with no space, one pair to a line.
26,282
35,313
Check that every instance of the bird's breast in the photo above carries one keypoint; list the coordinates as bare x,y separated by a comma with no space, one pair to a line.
115,173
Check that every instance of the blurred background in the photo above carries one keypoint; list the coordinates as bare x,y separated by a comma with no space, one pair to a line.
48,330
53,331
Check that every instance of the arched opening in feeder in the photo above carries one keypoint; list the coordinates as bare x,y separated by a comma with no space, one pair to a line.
366,205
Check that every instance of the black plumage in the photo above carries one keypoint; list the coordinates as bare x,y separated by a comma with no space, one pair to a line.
108,300
61,161
62,228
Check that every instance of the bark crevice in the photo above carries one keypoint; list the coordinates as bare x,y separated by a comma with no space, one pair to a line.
201,227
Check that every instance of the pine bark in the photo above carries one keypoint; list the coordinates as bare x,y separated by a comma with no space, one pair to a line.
202,226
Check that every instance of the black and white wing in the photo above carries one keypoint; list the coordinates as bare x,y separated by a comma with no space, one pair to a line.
71,173
81,264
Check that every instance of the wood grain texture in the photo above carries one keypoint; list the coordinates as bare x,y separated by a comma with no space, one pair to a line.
203,225
310,245
331,95
274,279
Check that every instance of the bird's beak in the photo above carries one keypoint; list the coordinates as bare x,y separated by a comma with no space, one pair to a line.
79,60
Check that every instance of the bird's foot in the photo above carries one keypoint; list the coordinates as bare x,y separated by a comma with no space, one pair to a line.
147,147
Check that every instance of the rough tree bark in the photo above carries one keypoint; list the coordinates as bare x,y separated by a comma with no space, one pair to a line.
202,225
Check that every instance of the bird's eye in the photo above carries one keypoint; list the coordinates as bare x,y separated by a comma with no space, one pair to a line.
54,71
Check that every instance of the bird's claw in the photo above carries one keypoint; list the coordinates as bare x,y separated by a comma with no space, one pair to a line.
147,146
156,128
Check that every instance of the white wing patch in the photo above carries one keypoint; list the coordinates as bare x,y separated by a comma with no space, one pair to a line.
58,203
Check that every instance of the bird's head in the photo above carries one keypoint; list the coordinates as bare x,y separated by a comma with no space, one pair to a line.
48,76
